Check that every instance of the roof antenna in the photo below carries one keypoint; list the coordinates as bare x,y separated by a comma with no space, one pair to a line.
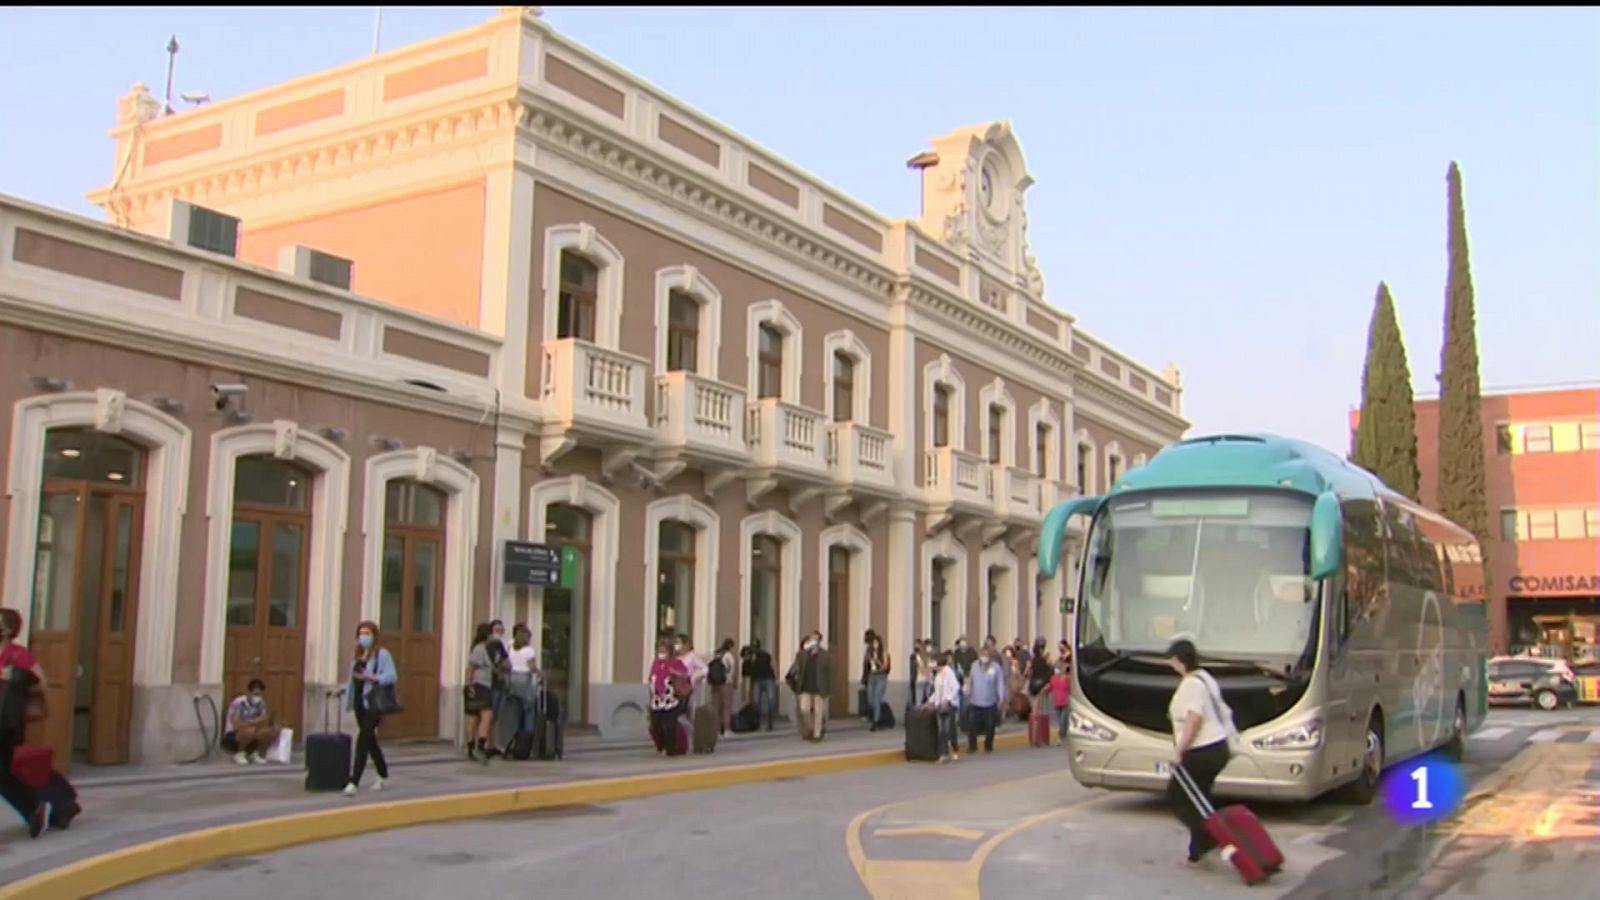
172,59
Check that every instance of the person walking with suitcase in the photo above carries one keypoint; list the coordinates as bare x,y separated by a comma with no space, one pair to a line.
945,699
371,692
669,689
1200,743
523,690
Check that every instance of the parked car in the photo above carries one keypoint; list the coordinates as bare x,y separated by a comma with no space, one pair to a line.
1521,680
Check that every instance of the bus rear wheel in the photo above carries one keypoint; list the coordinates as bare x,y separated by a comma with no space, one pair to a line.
1364,789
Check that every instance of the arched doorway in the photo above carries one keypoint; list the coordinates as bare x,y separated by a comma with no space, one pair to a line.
409,608
268,570
563,641
86,590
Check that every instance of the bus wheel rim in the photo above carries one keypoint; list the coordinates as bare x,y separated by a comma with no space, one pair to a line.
1546,700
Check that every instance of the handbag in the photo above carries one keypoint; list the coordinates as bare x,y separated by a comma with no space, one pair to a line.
381,698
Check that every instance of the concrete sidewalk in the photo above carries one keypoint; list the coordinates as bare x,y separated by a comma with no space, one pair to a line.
124,814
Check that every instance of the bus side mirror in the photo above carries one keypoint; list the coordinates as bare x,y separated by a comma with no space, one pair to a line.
1327,536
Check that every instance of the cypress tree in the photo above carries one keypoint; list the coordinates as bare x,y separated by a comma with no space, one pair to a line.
1461,441
1385,441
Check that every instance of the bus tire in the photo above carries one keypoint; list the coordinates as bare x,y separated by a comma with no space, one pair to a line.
1364,789
1457,748
1547,700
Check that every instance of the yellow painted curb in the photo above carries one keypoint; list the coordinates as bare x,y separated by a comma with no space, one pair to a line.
166,856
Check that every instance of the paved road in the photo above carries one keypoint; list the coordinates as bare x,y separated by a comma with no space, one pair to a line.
1009,824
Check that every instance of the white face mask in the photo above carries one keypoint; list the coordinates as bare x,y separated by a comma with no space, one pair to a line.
661,656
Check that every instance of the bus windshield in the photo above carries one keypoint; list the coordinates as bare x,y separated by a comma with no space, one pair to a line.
1229,571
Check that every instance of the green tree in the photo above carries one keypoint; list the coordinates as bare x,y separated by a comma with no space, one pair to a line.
1385,441
1461,442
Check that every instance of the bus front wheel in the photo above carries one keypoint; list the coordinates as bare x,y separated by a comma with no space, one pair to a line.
1364,789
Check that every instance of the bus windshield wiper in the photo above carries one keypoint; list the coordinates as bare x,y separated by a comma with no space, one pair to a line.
1118,657
1261,667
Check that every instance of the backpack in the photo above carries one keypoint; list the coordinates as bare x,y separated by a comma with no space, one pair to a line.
717,672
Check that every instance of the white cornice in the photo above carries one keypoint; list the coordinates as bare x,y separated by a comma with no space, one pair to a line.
1143,421
334,155
562,132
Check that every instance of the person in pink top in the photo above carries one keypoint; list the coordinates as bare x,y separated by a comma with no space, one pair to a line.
669,690
1060,691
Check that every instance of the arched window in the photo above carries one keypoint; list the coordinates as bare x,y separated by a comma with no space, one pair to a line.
675,580
766,588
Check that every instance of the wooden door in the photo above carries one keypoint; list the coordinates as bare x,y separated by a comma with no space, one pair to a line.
839,629
267,579
63,515
111,703
409,617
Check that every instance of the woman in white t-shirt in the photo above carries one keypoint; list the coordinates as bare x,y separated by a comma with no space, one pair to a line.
1201,724
525,676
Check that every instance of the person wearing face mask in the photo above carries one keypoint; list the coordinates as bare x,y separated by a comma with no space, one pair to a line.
372,671
762,677
250,733
20,679
964,657
943,700
669,690
813,674
986,694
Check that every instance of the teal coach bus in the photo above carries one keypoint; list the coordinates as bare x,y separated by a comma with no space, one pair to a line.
1345,622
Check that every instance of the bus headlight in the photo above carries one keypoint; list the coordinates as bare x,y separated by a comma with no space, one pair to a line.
1079,726
1305,736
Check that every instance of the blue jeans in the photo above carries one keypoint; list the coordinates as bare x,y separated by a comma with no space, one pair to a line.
924,691
766,700
949,734
877,690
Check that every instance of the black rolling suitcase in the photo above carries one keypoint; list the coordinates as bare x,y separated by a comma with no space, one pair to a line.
550,731
922,735
328,754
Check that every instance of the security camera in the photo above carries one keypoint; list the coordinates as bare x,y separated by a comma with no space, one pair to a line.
222,393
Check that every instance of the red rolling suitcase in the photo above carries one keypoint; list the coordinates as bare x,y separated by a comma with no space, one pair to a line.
1237,831
32,765
1039,729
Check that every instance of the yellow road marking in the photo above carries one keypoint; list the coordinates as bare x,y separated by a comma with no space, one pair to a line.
951,831
896,879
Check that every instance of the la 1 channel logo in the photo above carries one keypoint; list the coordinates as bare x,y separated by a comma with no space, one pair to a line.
1423,790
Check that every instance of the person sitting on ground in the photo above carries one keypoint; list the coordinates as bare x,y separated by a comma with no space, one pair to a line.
250,732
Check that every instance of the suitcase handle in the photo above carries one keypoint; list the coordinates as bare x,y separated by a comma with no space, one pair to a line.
327,702
1192,790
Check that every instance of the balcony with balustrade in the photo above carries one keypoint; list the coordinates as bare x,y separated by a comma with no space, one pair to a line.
1016,495
862,461
594,396
956,485
787,447
697,423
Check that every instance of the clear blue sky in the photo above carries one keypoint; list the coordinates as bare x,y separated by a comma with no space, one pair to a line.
1220,188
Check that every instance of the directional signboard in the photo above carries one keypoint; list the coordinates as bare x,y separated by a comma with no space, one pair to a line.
536,565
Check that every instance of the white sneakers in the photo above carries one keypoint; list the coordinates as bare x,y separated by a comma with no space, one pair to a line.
350,790
259,759
241,759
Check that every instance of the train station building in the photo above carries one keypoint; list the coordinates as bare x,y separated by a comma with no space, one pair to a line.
344,340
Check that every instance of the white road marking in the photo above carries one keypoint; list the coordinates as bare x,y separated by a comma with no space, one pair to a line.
1490,734
1594,736
1547,736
